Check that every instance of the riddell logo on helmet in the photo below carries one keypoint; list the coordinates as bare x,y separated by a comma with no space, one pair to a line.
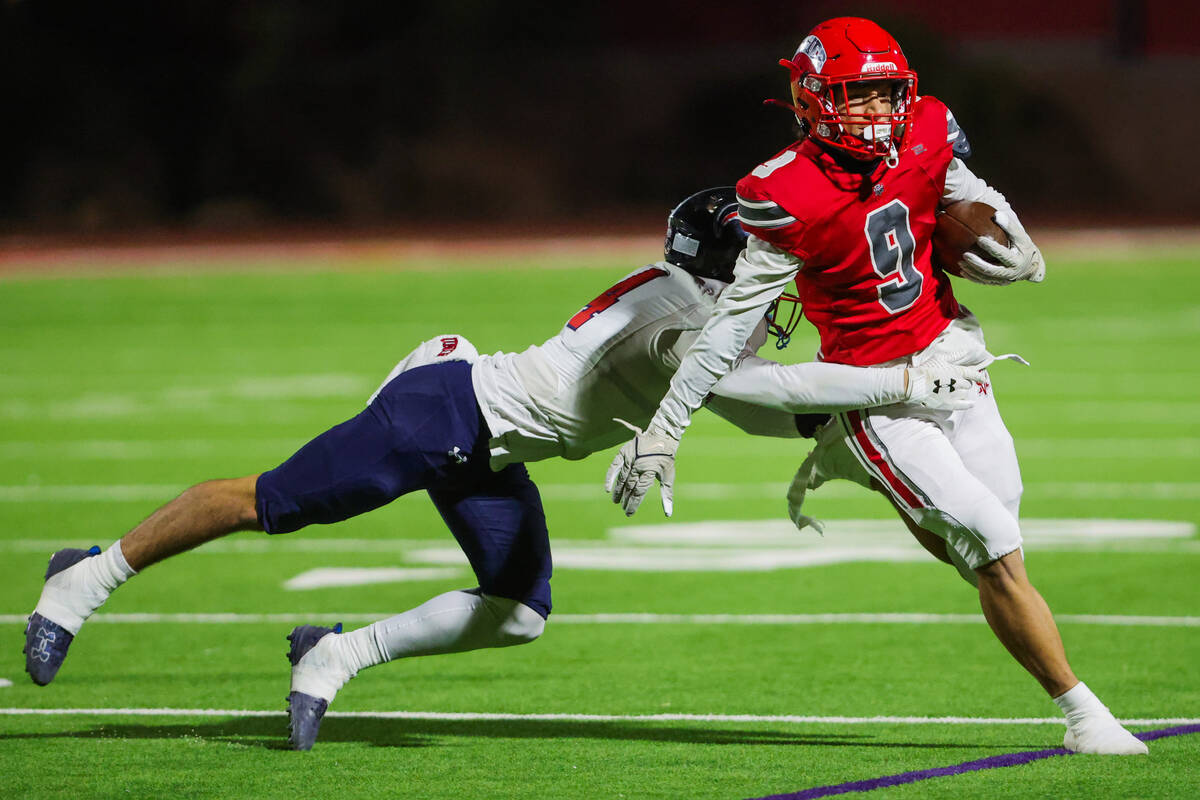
879,66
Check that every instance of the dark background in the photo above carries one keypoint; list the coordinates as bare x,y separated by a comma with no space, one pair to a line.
228,116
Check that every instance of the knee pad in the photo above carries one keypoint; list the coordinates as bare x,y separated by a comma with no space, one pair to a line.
517,622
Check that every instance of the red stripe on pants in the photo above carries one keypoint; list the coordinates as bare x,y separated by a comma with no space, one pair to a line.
899,487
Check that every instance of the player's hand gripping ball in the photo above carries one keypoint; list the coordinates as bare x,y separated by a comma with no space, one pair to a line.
957,231
979,243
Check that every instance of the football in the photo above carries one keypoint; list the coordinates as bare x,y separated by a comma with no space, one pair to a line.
956,230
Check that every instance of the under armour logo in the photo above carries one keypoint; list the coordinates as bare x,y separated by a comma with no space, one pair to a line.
918,149
449,345
940,385
41,650
878,189
457,455
983,388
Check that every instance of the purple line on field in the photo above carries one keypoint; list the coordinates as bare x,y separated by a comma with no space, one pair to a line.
1162,733
991,762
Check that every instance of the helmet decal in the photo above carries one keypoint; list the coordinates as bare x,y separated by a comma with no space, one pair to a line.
705,234
682,243
812,47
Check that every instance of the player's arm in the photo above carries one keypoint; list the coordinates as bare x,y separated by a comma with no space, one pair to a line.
764,397
761,274
1022,260
816,387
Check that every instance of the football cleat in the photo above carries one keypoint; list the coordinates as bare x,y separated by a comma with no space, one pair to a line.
1103,737
304,719
305,711
46,641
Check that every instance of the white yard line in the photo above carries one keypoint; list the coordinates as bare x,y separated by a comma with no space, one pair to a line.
642,619
1184,448
326,577
790,719
692,492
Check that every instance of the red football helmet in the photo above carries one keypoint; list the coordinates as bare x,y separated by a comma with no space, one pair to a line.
836,54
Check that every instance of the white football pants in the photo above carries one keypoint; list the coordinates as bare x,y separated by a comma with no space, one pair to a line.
954,473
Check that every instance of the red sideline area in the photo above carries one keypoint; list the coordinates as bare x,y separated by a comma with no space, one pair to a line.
39,254
169,250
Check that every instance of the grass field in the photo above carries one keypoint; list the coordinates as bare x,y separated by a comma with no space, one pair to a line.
117,391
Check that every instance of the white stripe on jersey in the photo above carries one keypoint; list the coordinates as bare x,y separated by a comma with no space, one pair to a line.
756,203
779,222
763,214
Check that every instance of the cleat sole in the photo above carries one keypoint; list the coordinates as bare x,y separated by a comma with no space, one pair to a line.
304,719
45,648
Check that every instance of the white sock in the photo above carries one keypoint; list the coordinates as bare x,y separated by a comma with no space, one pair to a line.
110,568
71,596
1079,702
449,623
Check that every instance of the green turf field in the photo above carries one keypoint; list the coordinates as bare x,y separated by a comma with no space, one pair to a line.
118,391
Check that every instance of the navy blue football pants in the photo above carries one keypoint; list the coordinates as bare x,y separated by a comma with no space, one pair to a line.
423,431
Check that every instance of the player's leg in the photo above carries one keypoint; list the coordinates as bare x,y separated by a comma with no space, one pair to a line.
832,459
986,448
922,471
202,513
500,524
933,544
920,468
400,443
78,582
983,442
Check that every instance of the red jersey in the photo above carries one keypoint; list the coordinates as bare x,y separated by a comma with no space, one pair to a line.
868,283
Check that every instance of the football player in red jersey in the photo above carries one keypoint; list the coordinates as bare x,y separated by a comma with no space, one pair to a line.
848,213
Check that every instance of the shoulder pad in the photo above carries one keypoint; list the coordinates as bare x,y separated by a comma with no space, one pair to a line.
956,135
936,131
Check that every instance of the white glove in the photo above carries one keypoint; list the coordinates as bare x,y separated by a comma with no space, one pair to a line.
795,497
942,386
650,455
1020,261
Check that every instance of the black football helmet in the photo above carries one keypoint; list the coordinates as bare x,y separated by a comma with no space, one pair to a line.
704,234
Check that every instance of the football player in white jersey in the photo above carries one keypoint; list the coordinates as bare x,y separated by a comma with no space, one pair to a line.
460,425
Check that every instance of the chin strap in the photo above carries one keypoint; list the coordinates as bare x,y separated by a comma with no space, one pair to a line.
805,126
893,159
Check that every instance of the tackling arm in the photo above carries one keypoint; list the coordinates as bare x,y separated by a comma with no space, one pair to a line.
812,387
762,272
763,397
760,275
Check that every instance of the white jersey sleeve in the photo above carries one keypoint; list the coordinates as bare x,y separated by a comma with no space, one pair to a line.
812,387
761,274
